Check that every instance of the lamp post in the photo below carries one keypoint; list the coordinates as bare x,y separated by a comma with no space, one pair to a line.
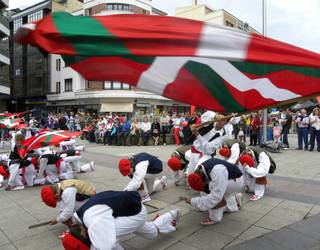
264,32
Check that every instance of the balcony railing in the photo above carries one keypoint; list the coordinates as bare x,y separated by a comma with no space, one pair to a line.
4,21
4,51
4,81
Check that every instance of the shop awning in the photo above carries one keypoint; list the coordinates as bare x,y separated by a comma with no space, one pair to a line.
116,107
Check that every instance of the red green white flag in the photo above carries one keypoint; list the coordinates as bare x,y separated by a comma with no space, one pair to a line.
45,138
201,64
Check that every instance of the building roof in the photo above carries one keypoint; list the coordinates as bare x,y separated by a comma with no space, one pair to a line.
34,8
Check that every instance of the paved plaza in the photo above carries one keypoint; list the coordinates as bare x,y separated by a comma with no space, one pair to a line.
286,218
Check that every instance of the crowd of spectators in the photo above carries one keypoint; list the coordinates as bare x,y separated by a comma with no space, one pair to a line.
118,129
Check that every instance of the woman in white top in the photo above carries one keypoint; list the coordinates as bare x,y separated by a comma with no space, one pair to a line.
315,129
176,128
145,128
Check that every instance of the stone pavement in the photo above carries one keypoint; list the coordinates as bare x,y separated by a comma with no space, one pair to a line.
286,218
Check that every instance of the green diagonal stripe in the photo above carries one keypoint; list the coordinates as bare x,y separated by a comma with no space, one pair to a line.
97,40
260,69
215,84
47,140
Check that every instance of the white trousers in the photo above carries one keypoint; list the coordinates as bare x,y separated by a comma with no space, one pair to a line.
153,183
1,179
139,225
52,173
29,175
74,161
233,188
257,189
14,178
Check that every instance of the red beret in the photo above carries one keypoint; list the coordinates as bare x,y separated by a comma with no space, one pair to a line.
48,196
195,182
225,152
174,163
247,159
124,167
70,242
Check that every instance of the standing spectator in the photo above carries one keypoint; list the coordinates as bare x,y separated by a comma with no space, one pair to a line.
242,129
176,128
77,122
248,122
71,122
165,126
254,130
314,129
145,128
302,121
276,130
62,122
155,131
124,131
134,132
286,121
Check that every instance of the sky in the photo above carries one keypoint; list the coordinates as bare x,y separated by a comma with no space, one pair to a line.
292,21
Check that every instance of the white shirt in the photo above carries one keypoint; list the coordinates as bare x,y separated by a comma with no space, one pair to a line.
145,126
217,186
68,204
208,148
138,176
262,168
315,121
101,227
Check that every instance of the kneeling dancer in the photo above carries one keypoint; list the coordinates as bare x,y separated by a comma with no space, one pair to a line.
143,167
69,195
111,214
213,178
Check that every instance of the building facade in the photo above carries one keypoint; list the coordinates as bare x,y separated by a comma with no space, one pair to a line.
29,71
71,92
4,56
205,13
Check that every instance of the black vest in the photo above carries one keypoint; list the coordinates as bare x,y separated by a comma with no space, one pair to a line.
123,203
233,171
52,158
155,165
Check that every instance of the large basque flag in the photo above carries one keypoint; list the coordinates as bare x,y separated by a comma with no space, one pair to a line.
205,65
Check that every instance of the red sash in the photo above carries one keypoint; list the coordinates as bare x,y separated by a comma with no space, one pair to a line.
58,163
195,151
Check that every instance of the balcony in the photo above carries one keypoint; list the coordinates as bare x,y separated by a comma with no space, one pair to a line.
4,81
4,55
4,26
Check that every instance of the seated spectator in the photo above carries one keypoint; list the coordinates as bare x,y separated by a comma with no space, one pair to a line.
155,131
108,130
112,135
134,132
124,132
145,128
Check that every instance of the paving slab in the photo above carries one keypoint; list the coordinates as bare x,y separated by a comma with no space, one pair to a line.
182,246
206,239
253,232
8,247
292,240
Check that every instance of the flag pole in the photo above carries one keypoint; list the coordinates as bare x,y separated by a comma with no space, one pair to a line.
264,33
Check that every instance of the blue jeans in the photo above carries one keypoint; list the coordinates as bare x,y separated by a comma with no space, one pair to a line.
303,135
314,135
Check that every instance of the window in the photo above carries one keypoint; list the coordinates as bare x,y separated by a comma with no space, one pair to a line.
118,7
58,87
229,24
107,85
17,24
126,86
116,85
35,16
88,12
18,72
58,64
68,85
